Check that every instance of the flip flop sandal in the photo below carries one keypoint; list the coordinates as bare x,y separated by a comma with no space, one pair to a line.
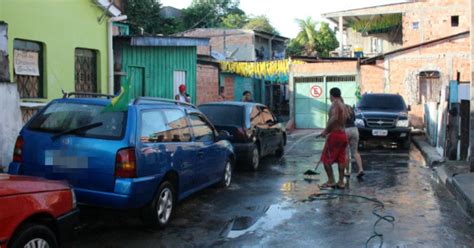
340,187
327,186
361,174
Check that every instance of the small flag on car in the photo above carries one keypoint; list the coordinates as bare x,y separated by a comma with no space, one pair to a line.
121,101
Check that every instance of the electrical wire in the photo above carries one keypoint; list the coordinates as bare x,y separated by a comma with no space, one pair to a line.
375,211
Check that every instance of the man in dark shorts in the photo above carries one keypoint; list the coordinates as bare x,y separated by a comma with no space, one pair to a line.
334,150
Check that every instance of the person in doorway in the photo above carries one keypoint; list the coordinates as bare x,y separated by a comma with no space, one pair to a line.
334,150
182,96
247,96
353,136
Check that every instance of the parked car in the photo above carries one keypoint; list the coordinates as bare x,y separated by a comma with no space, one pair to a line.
151,156
383,117
35,212
255,131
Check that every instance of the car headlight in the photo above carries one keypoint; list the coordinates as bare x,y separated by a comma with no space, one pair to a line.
74,201
402,123
359,122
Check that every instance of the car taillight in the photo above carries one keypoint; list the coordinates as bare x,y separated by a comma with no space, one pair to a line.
240,135
18,150
125,163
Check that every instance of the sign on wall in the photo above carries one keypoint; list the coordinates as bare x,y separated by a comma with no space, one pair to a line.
316,91
25,63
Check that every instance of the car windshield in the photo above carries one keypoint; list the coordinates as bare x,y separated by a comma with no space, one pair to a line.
382,102
224,115
61,117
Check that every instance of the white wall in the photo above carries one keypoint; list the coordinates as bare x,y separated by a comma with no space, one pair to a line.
10,123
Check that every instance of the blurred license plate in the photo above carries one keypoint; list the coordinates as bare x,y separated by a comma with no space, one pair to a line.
379,132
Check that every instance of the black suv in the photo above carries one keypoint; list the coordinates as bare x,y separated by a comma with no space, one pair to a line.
383,117
255,131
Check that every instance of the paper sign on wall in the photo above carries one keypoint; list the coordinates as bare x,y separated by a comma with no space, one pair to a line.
25,63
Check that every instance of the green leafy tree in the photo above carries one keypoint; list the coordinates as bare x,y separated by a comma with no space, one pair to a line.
313,42
144,14
209,13
260,23
234,21
326,40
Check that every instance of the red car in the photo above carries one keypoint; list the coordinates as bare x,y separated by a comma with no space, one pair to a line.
35,212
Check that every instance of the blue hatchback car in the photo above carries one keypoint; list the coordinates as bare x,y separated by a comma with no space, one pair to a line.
150,156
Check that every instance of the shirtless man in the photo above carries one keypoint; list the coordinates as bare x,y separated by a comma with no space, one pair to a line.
334,150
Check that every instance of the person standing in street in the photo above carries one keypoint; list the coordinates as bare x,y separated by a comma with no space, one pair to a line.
182,96
247,96
334,150
353,136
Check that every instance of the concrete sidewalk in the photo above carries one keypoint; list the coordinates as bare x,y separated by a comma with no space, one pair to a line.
454,174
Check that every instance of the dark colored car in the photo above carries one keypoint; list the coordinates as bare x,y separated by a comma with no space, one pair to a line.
255,131
151,155
383,117
35,212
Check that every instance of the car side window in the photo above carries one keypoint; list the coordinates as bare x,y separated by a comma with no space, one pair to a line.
165,125
267,116
203,132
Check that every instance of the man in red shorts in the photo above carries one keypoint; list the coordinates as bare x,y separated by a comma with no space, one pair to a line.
334,150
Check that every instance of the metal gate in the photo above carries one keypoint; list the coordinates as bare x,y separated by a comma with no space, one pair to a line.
85,76
312,100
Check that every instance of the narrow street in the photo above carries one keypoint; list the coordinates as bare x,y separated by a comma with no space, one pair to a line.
274,207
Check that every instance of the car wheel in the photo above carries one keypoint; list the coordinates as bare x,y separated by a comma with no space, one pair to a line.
159,212
34,235
281,150
227,177
405,145
254,160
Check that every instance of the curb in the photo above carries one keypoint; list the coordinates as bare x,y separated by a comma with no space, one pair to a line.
430,160
460,195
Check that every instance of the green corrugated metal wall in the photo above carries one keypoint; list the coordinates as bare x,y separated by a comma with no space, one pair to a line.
158,64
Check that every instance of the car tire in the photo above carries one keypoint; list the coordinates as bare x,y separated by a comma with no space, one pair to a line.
254,159
159,212
34,234
405,145
227,177
280,150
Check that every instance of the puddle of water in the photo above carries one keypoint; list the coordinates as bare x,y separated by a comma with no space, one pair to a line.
274,215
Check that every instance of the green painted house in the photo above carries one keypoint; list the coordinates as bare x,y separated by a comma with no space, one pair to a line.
157,65
58,45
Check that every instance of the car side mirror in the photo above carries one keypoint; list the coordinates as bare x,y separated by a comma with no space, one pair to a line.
409,108
224,135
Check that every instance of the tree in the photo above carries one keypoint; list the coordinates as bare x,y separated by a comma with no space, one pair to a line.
209,13
313,42
144,14
260,23
234,21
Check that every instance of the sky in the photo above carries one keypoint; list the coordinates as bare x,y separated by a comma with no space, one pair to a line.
282,13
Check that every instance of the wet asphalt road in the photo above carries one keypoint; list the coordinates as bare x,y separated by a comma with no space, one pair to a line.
274,207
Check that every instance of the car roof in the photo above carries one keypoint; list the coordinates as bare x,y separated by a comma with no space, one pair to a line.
381,94
234,103
104,101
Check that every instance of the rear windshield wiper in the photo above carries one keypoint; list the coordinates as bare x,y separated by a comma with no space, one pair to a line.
77,130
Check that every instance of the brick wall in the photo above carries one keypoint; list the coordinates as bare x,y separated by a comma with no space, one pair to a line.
434,20
207,84
229,88
400,71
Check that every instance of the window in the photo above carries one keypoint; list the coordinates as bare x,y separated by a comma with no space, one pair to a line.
429,86
224,115
85,70
59,117
454,21
376,45
167,125
28,68
255,117
202,131
179,78
415,25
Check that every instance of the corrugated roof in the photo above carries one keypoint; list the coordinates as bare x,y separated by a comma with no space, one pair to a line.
166,41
